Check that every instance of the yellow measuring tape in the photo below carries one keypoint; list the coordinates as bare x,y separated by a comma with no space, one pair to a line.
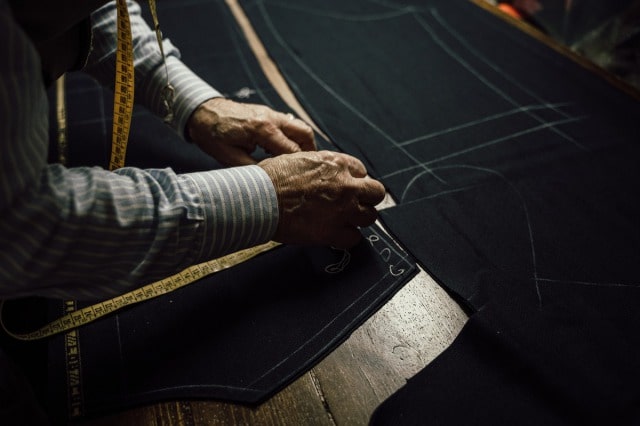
123,107
123,90
187,276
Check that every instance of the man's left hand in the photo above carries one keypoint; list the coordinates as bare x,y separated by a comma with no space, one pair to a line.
230,131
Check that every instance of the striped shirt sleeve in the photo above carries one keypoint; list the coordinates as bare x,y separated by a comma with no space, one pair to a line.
88,233
150,75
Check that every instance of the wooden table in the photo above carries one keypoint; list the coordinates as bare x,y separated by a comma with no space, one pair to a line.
405,335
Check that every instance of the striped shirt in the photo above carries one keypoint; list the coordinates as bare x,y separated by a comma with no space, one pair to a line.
89,233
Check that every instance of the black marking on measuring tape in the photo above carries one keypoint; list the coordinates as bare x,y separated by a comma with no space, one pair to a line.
73,366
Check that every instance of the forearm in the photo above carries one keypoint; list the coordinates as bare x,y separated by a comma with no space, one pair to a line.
88,233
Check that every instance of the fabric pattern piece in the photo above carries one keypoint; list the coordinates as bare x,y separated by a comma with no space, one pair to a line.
203,340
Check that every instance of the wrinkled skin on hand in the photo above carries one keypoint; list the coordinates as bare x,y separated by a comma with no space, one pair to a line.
230,131
323,197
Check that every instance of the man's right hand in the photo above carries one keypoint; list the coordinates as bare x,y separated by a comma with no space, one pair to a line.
323,197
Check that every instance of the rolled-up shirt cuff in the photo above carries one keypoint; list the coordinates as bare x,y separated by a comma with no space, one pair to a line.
190,91
240,206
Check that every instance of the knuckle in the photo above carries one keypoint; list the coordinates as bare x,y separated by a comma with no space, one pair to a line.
267,128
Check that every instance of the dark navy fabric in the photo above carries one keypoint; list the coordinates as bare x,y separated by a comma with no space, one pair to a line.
515,172
239,335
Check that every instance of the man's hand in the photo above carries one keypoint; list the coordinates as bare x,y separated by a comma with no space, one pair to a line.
230,131
323,197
